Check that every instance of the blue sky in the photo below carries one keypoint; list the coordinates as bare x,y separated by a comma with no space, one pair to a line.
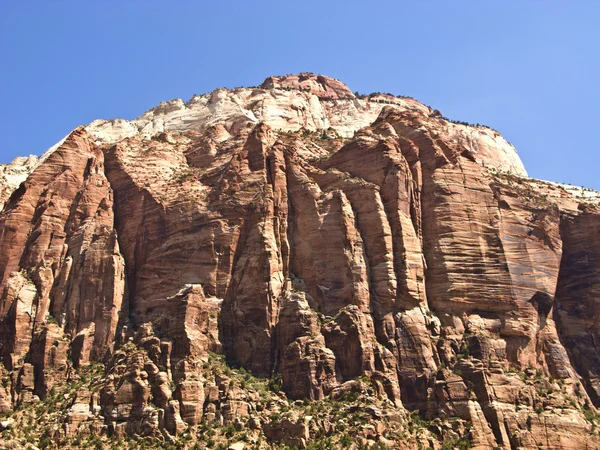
529,69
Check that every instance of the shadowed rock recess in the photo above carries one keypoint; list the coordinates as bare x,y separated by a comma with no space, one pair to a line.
295,265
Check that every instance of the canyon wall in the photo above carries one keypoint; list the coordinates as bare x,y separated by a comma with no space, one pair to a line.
314,238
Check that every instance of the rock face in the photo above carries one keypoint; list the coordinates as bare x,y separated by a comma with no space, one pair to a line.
13,174
315,238
297,103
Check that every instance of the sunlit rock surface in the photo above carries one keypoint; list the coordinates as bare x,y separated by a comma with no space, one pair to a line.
350,248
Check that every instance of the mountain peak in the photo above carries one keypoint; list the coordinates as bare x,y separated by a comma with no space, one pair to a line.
376,261
319,85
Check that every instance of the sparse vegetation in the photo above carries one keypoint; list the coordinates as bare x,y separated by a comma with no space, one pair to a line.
348,414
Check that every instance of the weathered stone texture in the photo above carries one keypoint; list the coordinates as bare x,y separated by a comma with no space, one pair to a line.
394,253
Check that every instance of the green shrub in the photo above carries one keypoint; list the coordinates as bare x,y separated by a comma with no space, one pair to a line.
345,440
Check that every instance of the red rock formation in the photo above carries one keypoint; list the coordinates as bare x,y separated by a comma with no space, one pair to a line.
58,242
397,255
323,87
576,310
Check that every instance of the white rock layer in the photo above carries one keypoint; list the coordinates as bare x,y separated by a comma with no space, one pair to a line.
13,174
290,109
287,103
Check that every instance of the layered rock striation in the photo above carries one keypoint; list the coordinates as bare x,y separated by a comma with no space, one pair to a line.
314,238
13,174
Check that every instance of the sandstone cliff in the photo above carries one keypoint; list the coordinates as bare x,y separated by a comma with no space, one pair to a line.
13,174
373,274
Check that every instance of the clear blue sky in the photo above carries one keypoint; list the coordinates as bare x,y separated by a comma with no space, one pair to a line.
530,69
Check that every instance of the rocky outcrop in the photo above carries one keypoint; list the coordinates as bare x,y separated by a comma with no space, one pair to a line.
295,103
60,258
13,174
308,367
350,250
576,311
